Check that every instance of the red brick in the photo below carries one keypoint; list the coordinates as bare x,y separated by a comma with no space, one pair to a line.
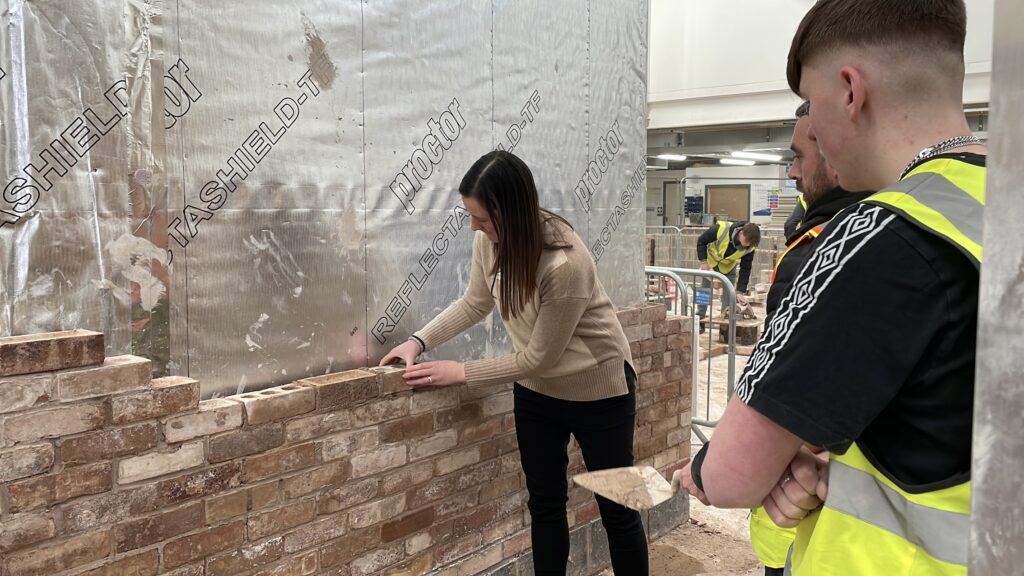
629,316
516,545
71,553
278,403
430,398
302,565
479,474
406,525
50,351
348,443
144,564
23,530
245,442
197,484
391,379
320,478
315,533
25,461
108,509
474,521
380,460
451,416
452,551
281,519
203,544
160,463
456,505
481,431
432,491
115,376
226,507
265,495
214,415
342,550
407,428
501,486
24,392
343,389
416,567
248,557
168,396
348,495
407,476
56,488
377,560
52,423
278,462
140,533
107,444
652,346
652,313
376,512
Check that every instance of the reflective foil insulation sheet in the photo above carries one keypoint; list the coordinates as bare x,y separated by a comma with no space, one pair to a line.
252,192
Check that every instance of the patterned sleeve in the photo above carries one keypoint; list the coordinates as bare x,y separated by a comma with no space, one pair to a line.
847,334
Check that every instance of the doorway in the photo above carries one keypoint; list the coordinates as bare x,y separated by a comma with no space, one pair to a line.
729,200
672,193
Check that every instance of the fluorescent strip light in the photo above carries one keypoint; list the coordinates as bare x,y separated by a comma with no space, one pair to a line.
734,162
674,157
649,167
757,156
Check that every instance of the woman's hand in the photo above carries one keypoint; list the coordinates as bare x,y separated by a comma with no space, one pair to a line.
440,373
405,352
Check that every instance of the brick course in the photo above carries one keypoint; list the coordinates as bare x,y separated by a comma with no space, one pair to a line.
104,472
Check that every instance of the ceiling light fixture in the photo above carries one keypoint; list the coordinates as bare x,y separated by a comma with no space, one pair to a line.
673,157
734,162
757,156
649,167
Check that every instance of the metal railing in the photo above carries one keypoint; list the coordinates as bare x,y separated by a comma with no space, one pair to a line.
676,275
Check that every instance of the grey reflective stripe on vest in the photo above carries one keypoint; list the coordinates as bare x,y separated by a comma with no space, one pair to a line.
941,534
936,192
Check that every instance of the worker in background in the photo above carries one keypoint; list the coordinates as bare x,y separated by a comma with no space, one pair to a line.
721,247
894,281
796,217
819,185
571,362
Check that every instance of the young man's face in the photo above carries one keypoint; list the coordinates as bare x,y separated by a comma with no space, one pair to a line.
830,128
809,168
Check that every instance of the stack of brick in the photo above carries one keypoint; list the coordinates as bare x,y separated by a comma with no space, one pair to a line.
106,472
680,250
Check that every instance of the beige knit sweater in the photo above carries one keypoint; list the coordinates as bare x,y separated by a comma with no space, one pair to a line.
567,342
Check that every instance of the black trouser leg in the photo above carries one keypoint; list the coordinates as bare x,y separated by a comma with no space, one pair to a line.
604,431
543,440
774,571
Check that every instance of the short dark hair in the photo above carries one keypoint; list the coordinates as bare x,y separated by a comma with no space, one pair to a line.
752,233
803,109
927,25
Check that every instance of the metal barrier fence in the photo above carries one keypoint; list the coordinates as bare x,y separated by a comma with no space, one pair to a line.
699,296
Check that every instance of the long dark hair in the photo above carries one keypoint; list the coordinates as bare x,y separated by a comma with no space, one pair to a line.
504,186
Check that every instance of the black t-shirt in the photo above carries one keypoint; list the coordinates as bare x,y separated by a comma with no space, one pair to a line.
875,342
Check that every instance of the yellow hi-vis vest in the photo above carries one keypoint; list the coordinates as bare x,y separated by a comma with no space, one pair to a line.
716,251
772,542
870,526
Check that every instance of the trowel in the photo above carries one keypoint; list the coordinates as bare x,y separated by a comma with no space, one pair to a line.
635,487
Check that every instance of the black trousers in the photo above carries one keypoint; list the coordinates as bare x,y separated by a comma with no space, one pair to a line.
604,431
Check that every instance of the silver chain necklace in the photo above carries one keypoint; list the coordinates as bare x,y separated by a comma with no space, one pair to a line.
935,150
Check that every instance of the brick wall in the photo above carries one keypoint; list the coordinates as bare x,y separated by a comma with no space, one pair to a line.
105,472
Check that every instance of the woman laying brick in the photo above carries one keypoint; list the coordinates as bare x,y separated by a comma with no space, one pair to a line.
571,361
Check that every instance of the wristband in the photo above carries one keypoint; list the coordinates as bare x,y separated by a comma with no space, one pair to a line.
418,340
695,465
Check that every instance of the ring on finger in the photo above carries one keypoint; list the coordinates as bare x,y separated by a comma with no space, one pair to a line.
785,479
430,379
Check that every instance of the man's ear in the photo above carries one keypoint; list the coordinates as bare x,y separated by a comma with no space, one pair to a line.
854,92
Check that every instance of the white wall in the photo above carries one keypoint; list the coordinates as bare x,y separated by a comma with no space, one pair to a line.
761,179
724,62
